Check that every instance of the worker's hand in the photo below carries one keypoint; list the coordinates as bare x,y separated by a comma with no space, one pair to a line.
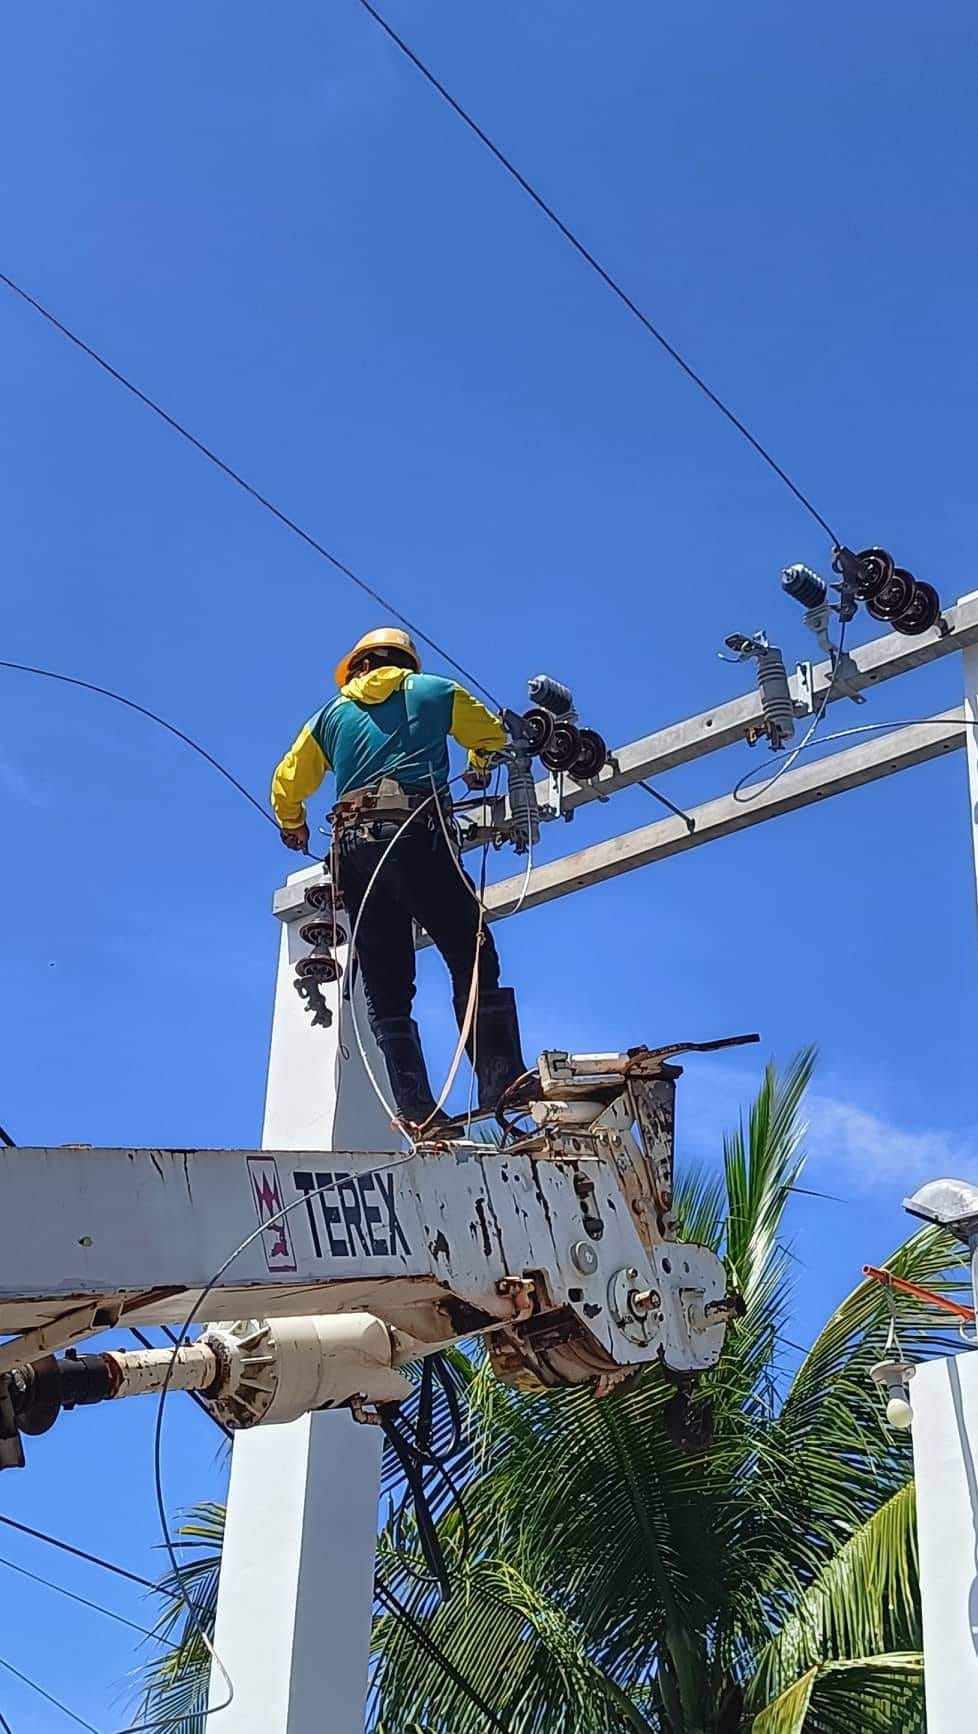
476,780
297,840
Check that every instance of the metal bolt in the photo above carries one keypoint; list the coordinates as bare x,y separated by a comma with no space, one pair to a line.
644,1300
584,1257
632,1275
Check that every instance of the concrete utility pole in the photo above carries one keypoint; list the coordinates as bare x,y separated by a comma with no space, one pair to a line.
945,1448
296,1594
296,1589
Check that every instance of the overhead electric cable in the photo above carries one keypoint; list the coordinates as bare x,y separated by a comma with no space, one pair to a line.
246,486
70,1595
386,1596
597,266
80,1553
27,1681
171,728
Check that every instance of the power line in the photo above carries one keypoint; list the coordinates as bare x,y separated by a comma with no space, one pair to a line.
96,1607
596,266
130,704
80,1553
239,481
27,1681
5,1138
386,1596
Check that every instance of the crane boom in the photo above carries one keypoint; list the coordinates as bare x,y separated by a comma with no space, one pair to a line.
561,1248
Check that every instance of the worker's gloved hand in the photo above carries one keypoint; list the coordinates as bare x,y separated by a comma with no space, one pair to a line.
475,780
297,840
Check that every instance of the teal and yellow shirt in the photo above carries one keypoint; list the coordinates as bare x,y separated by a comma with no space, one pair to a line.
388,723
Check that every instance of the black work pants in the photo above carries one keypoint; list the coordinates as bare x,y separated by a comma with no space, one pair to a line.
421,880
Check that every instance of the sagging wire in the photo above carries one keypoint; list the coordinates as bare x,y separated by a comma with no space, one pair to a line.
80,1553
26,1680
378,1092
416,1455
807,740
153,717
239,481
83,1601
596,266
392,1602
196,1624
861,729
470,1022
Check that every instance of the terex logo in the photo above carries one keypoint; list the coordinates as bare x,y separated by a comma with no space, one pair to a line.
269,1203
352,1215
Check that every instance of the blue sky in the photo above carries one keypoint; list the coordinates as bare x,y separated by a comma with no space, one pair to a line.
274,226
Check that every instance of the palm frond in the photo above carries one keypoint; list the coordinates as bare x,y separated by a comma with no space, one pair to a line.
863,1601
175,1684
874,1694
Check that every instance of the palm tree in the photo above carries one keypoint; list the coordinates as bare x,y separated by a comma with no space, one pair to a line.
617,1582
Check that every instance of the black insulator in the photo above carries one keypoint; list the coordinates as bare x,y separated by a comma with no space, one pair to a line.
922,611
323,931
875,570
318,968
538,727
323,896
564,748
804,586
895,597
551,695
593,756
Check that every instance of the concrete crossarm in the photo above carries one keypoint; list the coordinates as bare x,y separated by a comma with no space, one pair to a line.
874,757
869,665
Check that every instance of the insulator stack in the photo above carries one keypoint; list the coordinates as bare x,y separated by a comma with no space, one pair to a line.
551,729
804,586
323,932
776,700
523,806
551,695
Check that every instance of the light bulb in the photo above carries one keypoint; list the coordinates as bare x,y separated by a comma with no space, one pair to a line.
899,1413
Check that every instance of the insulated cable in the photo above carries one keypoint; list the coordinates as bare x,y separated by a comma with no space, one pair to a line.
6,1139
160,721
602,272
807,739
239,481
80,1553
96,1607
398,834
863,729
387,1598
72,1717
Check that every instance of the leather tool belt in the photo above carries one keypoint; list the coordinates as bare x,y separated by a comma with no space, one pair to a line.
387,803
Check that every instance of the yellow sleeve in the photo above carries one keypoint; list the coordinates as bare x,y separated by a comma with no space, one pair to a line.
475,727
297,776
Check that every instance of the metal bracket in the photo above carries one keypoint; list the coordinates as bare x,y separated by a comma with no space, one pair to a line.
69,1328
844,670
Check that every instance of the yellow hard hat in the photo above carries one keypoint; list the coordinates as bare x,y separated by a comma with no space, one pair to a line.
383,638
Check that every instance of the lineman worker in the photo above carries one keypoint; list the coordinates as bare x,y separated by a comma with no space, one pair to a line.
385,738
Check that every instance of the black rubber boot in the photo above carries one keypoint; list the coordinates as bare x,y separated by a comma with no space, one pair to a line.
400,1043
498,1054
